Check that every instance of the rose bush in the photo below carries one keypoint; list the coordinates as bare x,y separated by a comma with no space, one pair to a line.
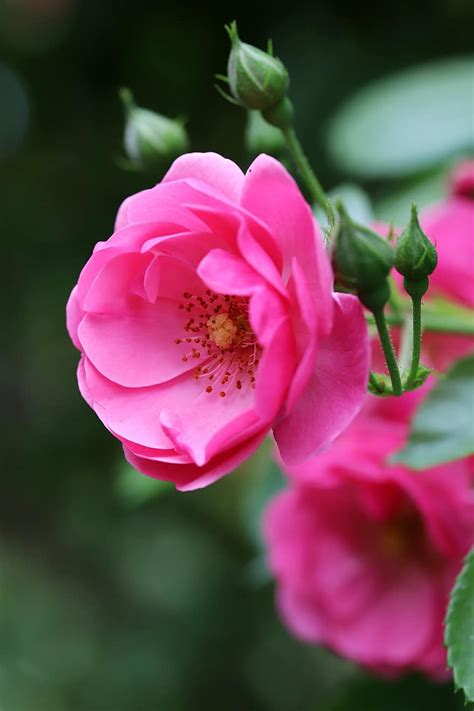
365,553
208,318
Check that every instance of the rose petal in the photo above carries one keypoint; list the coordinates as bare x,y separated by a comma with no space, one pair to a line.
228,274
337,389
189,477
271,194
74,314
221,173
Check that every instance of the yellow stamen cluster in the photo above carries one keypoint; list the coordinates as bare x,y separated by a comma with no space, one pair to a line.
220,336
222,330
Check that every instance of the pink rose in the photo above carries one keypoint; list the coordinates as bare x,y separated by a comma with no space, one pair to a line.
365,553
450,226
208,319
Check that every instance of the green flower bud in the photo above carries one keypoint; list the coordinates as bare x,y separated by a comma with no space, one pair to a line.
362,261
149,138
415,255
261,137
376,298
257,80
280,115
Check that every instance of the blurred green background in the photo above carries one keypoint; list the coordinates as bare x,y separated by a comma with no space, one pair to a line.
116,593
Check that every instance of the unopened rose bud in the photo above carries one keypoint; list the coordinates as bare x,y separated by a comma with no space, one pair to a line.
257,80
415,257
362,261
149,137
261,137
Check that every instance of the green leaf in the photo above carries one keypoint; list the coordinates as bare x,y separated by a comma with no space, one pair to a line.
406,122
426,189
443,427
459,636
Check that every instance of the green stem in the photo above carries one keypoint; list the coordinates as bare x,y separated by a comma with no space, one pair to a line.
416,340
387,347
313,185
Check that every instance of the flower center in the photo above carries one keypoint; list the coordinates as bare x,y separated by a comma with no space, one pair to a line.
402,534
220,336
222,330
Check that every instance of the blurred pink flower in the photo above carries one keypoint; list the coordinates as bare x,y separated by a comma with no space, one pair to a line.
450,225
365,553
208,318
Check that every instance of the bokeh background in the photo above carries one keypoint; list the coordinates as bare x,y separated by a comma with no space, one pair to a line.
117,593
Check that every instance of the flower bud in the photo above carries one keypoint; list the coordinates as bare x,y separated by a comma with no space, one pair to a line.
257,80
415,255
261,137
150,138
362,261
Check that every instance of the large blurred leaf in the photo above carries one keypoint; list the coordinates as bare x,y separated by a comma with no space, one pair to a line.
406,122
443,427
424,190
460,629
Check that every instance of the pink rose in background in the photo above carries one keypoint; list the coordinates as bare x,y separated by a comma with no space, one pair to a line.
208,319
365,553
450,226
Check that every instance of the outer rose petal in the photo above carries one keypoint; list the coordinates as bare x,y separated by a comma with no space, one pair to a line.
337,388
189,477
404,613
270,193
74,315
154,204
304,317
211,168
298,614
451,227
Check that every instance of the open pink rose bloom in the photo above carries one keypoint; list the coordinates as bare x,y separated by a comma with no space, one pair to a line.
208,319
365,553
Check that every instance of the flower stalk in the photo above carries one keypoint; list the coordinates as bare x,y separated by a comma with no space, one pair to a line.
416,340
307,174
389,355
257,80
